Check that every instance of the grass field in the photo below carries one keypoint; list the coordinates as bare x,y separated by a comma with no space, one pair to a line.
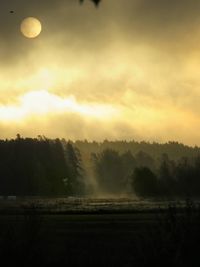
165,238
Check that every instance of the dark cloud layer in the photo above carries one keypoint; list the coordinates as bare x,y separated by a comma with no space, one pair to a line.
141,56
138,20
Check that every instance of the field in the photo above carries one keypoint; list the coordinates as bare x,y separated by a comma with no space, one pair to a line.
102,236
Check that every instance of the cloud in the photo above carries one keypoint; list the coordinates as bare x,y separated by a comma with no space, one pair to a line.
134,62
43,103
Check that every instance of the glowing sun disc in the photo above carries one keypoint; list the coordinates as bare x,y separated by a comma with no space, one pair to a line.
31,27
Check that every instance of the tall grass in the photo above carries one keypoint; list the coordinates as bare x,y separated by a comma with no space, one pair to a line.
173,239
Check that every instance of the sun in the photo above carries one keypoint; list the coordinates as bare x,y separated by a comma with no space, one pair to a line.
31,27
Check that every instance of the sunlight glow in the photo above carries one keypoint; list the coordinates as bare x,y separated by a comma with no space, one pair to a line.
44,103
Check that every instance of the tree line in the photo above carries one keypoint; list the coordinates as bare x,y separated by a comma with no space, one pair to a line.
139,174
39,166
53,167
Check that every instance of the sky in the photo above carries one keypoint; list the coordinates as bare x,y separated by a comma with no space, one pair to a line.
129,69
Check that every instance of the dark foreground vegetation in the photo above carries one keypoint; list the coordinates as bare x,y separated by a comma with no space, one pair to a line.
45,167
169,237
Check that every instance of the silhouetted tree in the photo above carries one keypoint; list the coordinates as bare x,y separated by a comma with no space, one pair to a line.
109,172
143,159
166,176
196,177
144,182
185,176
32,167
74,182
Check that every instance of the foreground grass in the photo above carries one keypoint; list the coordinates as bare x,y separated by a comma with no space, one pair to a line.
168,237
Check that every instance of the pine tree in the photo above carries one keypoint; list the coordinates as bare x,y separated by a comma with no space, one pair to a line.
74,182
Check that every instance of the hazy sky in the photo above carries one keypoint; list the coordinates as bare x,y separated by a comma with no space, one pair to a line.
127,70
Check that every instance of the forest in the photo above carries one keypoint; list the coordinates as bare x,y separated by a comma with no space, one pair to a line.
56,167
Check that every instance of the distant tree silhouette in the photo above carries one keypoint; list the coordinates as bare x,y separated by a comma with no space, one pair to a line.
32,167
166,176
143,159
174,150
74,182
195,179
42,166
128,162
185,176
144,182
109,171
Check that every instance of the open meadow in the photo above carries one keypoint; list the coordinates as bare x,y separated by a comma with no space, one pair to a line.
102,237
